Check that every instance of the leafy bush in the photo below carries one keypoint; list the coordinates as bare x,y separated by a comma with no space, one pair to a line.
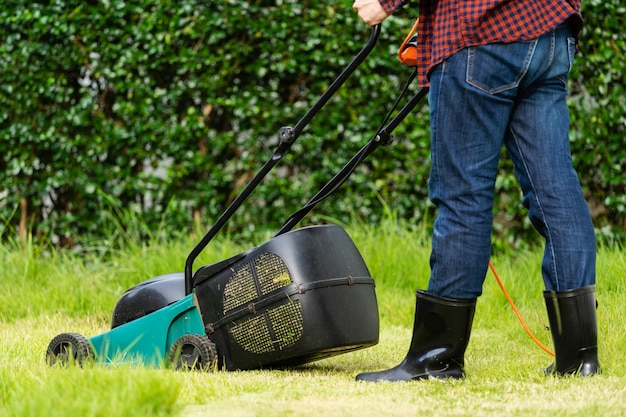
167,109
598,110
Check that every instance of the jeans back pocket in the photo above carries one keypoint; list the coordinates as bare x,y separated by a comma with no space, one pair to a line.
498,67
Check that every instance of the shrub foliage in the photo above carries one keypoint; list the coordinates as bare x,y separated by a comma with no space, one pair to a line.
167,109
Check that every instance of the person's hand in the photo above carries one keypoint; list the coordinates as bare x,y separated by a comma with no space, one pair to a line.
370,11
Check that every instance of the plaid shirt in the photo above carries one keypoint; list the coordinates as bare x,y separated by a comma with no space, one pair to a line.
448,26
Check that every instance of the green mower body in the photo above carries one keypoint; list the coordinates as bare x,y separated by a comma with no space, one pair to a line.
302,296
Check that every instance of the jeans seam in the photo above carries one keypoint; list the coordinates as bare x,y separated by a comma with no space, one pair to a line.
436,121
547,229
435,168
552,49
570,59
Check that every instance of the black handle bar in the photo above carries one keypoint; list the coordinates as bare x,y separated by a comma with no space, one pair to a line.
286,136
382,137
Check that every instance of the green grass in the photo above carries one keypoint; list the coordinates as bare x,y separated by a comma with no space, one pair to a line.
46,293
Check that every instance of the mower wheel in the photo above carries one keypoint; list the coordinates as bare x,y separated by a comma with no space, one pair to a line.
193,352
69,348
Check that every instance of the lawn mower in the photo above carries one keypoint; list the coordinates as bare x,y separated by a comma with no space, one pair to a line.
304,295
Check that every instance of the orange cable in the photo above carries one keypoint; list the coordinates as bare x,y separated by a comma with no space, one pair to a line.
517,313
405,56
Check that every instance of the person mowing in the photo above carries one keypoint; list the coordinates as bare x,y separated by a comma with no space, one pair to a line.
497,74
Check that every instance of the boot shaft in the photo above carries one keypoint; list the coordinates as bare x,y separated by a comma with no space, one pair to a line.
442,323
573,324
441,333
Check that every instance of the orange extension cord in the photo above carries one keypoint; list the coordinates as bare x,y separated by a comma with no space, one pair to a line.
517,313
408,55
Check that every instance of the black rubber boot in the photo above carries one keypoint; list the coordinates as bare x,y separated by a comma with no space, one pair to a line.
572,316
441,332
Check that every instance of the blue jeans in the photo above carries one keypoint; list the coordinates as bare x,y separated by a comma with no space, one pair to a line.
513,95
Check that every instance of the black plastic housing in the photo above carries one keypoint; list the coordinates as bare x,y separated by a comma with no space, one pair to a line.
148,297
302,296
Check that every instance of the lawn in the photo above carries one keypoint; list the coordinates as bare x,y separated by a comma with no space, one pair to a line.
44,293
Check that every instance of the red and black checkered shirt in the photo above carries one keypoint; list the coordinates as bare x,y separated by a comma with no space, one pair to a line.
448,26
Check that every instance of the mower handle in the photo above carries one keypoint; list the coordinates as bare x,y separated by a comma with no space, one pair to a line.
287,136
382,137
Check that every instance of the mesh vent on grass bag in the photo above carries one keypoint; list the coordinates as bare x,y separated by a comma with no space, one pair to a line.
273,328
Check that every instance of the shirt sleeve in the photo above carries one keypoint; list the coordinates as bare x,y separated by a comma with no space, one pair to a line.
391,6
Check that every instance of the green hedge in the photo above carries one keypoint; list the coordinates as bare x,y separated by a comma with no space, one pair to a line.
164,110
598,110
